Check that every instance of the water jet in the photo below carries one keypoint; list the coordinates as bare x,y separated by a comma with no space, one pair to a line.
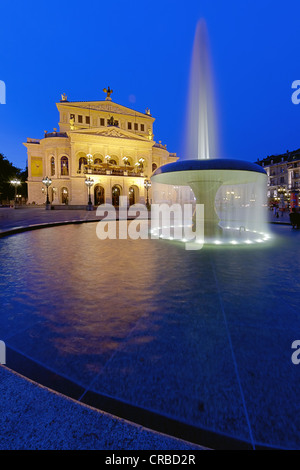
211,178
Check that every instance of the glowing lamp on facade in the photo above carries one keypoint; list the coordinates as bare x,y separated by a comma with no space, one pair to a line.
89,158
126,161
141,162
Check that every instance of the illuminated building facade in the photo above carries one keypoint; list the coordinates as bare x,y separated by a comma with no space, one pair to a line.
102,140
283,178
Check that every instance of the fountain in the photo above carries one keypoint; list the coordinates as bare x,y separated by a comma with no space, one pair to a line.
232,191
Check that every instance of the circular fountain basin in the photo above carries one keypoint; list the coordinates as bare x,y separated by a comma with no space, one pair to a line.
205,177
226,171
135,326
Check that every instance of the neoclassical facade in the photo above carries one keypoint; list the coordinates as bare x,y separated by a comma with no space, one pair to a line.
283,177
102,140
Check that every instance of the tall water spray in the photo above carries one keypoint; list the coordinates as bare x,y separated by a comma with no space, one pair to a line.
201,132
232,192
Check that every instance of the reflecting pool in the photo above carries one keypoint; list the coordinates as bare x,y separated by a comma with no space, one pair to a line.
202,337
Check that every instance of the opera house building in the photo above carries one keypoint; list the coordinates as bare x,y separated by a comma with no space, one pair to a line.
111,144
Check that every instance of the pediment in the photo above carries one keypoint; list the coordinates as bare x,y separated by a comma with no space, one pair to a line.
108,106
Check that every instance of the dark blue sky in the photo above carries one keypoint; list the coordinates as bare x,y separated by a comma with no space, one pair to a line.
142,50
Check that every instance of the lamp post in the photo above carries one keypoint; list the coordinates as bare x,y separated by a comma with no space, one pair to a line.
89,161
126,162
89,182
141,162
281,190
15,183
47,182
147,184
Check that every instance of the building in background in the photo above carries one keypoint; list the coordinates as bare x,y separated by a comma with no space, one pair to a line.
283,178
102,140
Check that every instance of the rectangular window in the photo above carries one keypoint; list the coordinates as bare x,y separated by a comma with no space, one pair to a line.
102,122
142,127
87,119
129,125
136,126
79,118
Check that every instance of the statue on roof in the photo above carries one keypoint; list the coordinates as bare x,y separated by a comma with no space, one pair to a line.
64,97
108,92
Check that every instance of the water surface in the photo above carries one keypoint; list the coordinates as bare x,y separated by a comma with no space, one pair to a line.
200,336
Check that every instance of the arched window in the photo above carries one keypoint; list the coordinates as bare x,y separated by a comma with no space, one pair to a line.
114,160
154,167
82,162
97,161
133,195
52,165
99,195
64,195
116,193
64,165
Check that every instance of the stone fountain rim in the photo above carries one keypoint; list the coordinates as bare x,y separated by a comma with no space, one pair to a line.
209,164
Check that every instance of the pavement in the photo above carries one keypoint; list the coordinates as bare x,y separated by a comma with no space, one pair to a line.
14,219
283,217
33,417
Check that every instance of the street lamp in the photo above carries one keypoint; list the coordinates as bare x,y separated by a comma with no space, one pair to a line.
15,183
89,161
281,190
147,184
89,182
126,161
141,162
47,182
107,158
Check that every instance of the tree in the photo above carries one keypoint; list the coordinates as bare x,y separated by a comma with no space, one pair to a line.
9,171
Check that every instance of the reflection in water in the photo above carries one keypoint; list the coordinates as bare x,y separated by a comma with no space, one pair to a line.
141,321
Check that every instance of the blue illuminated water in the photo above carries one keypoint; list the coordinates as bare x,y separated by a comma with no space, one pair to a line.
201,336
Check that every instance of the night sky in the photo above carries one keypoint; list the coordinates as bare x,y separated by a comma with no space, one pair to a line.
142,50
